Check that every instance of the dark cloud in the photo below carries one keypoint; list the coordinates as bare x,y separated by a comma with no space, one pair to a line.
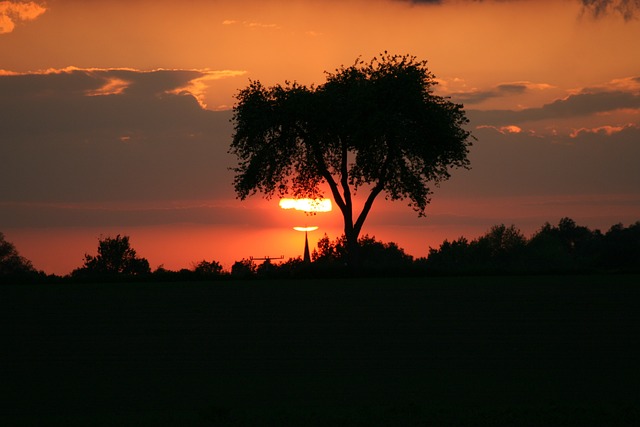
519,164
148,140
34,214
71,100
70,156
476,97
581,104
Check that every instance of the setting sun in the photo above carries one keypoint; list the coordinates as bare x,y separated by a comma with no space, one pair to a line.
101,140
306,205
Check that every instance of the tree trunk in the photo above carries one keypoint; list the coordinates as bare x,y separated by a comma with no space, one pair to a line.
353,250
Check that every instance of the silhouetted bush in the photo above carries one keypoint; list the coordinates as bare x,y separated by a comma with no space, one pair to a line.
375,257
565,248
115,259
243,269
621,248
266,270
11,263
293,267
14,267
501,249
206,269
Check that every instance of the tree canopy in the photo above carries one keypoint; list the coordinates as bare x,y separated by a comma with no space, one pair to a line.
374,126
115,257
11,263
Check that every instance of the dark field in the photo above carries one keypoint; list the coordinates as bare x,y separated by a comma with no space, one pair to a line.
561,350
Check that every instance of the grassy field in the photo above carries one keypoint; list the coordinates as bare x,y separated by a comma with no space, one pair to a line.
547,350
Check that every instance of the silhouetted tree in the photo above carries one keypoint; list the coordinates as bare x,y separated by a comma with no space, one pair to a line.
373,125
500,249
11,263
547,252
375,256
450,257
243,269
267,269
294,267
206,268
329,251
621,248
115,257
567,247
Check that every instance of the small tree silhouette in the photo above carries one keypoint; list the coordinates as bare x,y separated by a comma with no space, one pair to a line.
115,257
243,269
11,263
206,268
376,257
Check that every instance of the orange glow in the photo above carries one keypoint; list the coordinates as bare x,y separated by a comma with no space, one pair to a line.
306,205
493,56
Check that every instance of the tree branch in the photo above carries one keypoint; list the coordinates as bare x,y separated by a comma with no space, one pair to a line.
374,193
346,190
367,207
324,172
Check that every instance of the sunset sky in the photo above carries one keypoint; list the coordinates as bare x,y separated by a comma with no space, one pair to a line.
115,118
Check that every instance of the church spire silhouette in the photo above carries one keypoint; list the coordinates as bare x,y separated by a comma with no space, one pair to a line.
307,256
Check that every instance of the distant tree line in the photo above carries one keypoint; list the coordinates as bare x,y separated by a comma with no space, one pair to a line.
565,248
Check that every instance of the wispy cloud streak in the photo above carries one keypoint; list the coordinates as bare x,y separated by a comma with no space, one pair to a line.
501,90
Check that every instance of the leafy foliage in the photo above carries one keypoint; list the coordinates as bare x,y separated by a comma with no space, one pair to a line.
566,247
243,269
206,268
11,263
376,257
115,257
373,125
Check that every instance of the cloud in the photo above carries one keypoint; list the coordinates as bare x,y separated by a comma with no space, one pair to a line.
72,82
119,146
13,12
113,86
584,103
503,129
607,130
426,1
501,90
116,214
252,24
523,163
198,86
111,134
628,84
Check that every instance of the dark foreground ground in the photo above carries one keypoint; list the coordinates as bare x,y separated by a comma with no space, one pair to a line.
430,351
